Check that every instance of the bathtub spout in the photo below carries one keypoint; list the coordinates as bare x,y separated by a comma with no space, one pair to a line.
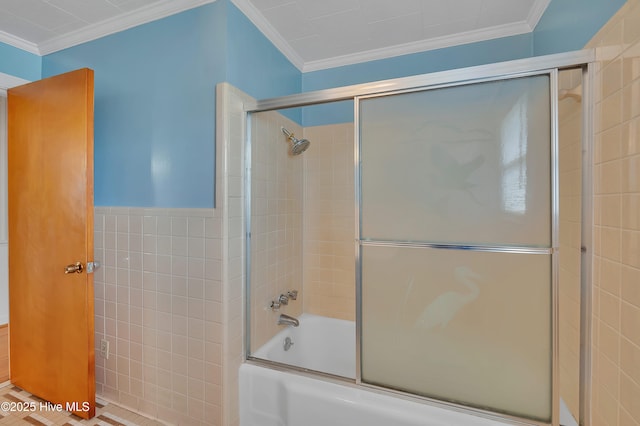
284,319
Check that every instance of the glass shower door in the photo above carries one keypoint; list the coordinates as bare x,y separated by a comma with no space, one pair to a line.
456,243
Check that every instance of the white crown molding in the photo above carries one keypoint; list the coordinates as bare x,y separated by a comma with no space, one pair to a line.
271,33
169,7
536,12
258,19
14,41
420,46
119,23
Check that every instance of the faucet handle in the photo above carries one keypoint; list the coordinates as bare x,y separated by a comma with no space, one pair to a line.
293,294
283,299
274,305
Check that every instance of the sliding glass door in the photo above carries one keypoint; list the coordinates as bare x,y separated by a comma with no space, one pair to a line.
456,243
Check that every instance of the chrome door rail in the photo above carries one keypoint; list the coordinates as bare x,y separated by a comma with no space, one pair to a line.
493,71
466,247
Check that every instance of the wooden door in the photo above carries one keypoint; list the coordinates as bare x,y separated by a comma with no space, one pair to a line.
50,174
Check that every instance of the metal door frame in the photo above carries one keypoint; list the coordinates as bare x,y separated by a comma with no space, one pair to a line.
552,73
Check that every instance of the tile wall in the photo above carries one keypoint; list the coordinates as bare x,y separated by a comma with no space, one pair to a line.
329,222
276,223
159,304
301,200
230,137
616,234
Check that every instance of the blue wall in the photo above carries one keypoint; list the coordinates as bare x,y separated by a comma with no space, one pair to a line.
18,63
154,108
569,24
155,101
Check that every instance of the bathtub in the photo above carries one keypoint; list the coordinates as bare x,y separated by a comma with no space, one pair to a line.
270,397
319,343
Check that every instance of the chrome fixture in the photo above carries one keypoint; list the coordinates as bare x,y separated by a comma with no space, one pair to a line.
285,319
283,299
287,344
79,268
299,145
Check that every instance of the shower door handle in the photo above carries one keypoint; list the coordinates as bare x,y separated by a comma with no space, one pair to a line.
74,268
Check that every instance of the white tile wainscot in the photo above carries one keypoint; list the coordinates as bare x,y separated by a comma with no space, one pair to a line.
159,304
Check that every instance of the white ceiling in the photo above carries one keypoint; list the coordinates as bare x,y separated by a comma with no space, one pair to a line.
313,34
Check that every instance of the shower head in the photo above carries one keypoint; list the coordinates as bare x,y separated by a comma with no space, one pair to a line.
299,145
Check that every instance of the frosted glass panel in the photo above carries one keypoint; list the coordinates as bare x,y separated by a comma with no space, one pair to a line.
466,164
470,327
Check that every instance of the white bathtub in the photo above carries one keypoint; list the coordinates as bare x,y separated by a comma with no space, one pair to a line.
319,343
270,397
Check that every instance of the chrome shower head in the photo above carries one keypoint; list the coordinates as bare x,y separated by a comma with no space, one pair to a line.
299,145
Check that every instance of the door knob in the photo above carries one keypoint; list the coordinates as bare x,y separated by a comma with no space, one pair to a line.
74,267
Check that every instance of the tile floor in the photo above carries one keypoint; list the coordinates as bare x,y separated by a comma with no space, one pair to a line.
106,414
